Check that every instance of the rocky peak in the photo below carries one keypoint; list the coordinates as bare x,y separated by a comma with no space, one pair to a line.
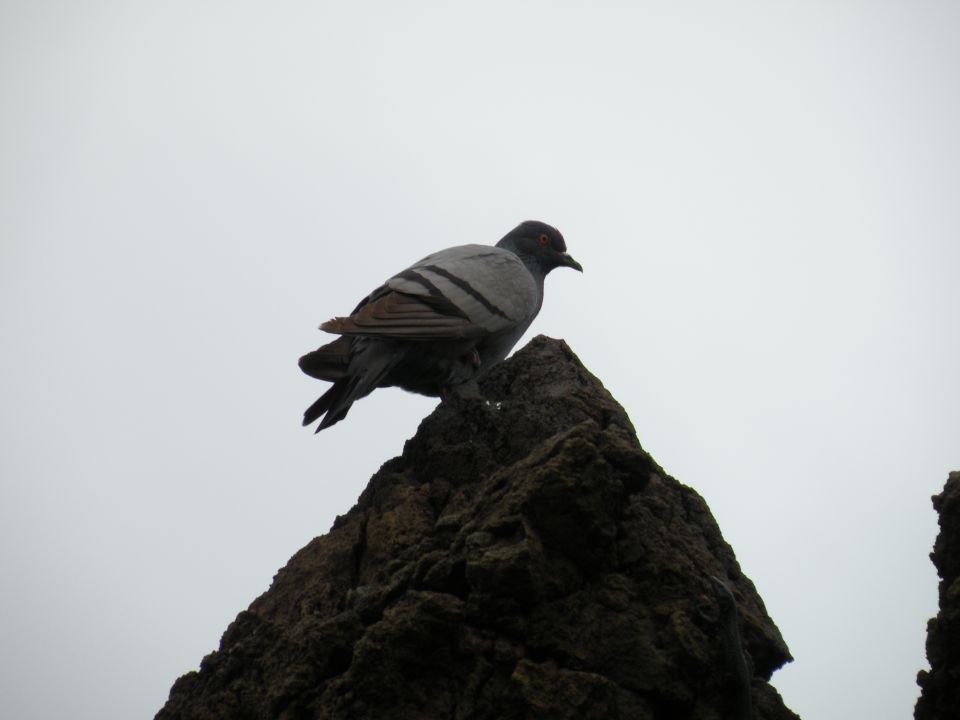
523,558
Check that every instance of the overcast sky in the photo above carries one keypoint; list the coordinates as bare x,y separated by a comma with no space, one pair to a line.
765,197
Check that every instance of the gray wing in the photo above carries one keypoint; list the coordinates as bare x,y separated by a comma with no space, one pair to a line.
469,291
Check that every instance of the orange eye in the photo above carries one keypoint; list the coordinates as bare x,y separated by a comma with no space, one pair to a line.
543,240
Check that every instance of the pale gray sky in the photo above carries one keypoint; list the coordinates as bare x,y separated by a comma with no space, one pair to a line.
764,197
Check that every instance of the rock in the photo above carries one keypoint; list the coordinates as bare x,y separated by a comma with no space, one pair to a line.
940,686
523,558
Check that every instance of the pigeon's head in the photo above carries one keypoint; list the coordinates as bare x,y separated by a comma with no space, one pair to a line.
540,246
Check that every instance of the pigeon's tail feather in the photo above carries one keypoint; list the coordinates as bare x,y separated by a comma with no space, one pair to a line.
326,402
329,362
334,404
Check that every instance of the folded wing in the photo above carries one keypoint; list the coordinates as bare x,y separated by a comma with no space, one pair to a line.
470,291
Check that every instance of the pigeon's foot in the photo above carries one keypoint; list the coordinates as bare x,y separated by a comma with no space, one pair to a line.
469,390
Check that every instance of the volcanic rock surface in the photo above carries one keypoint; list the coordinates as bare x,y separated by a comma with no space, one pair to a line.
940,695
523,558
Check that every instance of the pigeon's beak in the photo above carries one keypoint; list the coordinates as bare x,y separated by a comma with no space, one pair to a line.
567,261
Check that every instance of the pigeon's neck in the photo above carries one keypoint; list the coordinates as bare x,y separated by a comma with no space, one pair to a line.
531,262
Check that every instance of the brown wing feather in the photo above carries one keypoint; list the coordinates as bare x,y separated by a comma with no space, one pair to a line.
399,315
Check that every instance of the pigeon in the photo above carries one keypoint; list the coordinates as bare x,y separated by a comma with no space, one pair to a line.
439,324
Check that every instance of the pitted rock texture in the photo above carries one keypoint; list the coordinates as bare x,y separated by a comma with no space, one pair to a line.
523,558
940,694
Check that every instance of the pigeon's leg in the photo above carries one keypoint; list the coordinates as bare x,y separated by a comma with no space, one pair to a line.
462,379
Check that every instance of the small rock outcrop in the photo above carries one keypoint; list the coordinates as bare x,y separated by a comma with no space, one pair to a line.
523,558
940,686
